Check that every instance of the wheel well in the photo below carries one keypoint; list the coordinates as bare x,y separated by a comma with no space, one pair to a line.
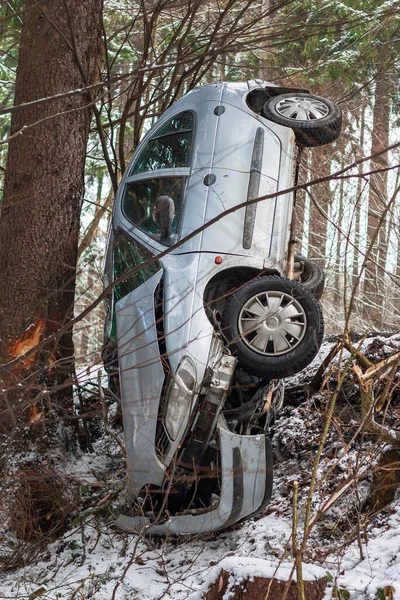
257,97
225,283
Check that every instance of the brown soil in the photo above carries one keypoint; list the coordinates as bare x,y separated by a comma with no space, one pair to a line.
259,588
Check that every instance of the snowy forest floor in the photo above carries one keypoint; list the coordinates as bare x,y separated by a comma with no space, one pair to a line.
355,543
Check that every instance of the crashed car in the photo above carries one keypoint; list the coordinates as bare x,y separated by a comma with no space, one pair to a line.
203,322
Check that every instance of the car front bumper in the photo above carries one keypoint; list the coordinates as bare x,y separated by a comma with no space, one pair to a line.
246,485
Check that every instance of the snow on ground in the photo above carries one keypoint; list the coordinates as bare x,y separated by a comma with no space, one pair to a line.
380,566
91,560
177,569
95,561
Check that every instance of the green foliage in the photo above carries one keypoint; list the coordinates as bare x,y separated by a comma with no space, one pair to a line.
10,29
312,43
84,490
341,41
10,16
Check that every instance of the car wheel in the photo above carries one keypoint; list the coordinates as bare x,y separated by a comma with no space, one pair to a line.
312,277
315,121
273,326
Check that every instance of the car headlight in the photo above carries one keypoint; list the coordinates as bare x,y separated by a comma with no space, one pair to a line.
179,397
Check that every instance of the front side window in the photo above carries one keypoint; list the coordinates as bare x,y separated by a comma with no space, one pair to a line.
128,254
169,148
155,205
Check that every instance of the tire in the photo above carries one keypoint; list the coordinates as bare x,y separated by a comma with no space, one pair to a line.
288,337
320,119
312,277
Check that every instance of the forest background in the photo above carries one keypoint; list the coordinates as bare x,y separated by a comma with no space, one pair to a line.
91,79
152,53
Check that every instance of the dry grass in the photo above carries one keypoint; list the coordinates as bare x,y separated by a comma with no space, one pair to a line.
41,504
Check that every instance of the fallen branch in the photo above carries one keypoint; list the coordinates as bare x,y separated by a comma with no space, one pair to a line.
362,360
317,382
382,368
368,405
338,493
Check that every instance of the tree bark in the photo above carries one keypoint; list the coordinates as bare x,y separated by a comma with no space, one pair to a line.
300,205
375,267
60,50
358,258
339,259
322,193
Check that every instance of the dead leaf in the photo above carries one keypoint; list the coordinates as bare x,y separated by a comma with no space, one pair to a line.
388,592
38,593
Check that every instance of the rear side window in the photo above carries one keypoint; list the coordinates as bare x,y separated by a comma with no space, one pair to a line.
169,148
154,205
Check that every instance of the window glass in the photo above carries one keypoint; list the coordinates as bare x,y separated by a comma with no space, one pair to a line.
154,205
127,255
169,148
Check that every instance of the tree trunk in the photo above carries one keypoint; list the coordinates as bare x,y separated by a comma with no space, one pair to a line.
339,259
300,205
377,228
358,258
322,194
60,50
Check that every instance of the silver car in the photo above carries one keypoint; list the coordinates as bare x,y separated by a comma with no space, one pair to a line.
203,323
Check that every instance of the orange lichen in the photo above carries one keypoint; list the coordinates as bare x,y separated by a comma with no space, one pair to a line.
27,342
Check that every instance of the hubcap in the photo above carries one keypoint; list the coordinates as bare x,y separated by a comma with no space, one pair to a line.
272,323
302,109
